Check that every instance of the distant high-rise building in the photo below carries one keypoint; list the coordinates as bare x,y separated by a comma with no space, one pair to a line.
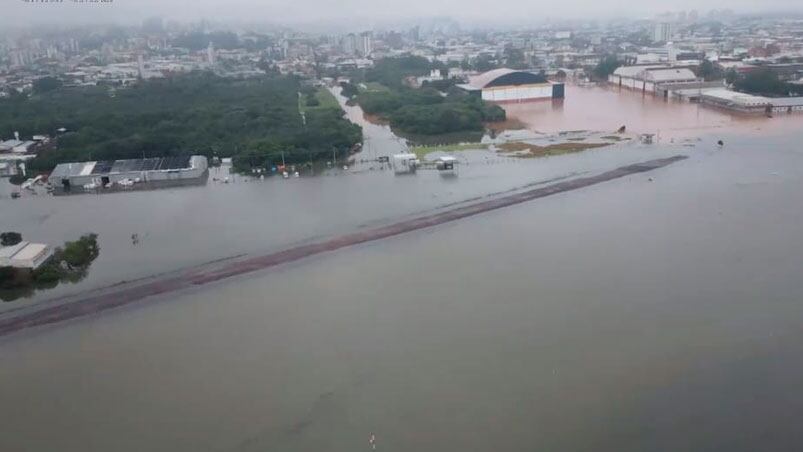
210,54
394,40
663,32
415,33
140,65
349,44
366,45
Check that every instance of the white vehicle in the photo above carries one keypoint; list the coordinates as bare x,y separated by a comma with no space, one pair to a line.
404,163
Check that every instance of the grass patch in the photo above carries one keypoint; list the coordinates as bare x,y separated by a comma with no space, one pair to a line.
612,137
442,139
325,100
534,150
421,151
372,87
576,139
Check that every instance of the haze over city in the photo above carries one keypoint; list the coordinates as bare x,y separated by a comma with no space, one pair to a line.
324,13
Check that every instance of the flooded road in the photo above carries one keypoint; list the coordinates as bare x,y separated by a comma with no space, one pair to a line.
652,312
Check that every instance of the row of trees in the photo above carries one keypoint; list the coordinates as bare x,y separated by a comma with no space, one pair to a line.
436,108
765,82
198,113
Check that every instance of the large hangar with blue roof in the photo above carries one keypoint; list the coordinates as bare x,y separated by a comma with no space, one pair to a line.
510,85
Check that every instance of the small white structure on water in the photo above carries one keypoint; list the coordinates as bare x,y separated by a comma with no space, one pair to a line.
25,255
446,164
404,163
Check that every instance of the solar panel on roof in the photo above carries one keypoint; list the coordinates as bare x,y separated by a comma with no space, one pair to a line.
171,163
103,167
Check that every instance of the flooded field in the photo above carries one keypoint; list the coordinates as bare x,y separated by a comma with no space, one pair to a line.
608,108
654,312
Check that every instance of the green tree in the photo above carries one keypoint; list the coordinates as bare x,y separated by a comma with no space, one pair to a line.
10,238
605,67
731,75
46,84
765,82
708,71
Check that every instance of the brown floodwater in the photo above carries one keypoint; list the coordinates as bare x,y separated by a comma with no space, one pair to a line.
656,312
603,108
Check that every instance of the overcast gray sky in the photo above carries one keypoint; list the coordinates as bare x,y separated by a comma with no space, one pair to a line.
19,12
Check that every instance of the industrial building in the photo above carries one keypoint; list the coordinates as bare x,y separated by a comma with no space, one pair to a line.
653,79
508,85
115,175
748,103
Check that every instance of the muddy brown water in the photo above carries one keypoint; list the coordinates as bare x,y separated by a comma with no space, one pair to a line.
658,311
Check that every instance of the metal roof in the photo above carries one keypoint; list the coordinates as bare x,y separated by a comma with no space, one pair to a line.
670,74
106,167
726,95
71,169
511,76
485,78
632,71
787,101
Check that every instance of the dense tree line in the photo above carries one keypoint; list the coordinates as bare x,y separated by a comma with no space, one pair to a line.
194,114
391,72
605,67
709,71
765,82
435,108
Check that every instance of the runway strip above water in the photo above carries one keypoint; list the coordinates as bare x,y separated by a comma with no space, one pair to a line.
123,294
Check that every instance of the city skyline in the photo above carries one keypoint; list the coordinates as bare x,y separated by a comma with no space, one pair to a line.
20,14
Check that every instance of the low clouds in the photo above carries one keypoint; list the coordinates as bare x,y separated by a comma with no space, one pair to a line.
21,13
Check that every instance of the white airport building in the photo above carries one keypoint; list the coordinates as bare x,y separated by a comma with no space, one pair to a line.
509,85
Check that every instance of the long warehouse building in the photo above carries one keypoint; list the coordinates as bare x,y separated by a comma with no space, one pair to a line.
509,85
129,174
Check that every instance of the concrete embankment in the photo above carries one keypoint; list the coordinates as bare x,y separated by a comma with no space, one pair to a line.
91,303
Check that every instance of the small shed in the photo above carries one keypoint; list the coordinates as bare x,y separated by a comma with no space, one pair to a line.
404,163
25,255
446,163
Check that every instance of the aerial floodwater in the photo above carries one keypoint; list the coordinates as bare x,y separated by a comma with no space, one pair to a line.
654,311
608,108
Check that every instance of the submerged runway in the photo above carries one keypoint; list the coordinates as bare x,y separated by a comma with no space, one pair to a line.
126,293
